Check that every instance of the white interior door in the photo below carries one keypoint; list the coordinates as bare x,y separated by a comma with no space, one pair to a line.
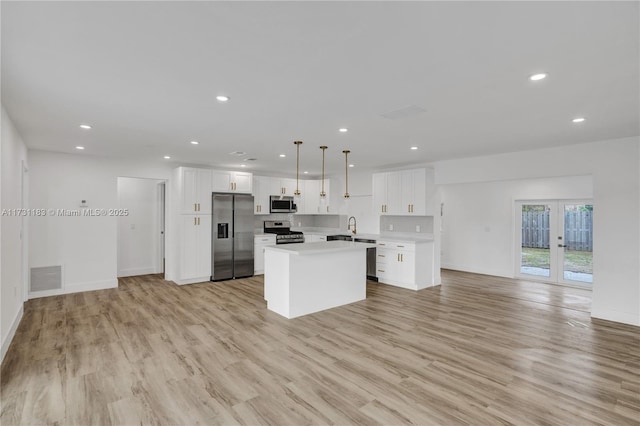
554,241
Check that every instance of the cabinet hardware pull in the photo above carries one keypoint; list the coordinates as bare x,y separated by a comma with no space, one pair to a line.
381,244
381,255
195,222
409,208
398,257
399,246
401,257
380,270
195,207
198,221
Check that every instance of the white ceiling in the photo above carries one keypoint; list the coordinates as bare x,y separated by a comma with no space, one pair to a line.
145,76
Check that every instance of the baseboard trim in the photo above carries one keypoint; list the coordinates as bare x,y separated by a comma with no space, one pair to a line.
12,332
77,288
616,316
193,280
132,272
480,271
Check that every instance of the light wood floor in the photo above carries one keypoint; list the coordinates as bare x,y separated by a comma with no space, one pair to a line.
478,350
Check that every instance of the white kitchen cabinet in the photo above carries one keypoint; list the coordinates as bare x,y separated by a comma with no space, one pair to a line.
283,186
195,249
314,238
386,193
225,181
195,190
401,193
259,243
261,193
405,264
413,193
311,197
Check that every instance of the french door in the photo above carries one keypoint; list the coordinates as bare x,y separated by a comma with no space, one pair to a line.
554,241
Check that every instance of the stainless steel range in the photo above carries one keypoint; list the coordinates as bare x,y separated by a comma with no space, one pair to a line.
282,229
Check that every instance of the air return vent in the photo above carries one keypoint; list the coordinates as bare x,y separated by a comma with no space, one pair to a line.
409,111
46,278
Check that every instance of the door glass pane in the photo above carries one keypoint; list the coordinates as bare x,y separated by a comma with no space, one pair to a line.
578,243
535,256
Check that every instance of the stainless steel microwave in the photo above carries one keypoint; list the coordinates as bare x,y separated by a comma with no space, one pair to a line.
282,204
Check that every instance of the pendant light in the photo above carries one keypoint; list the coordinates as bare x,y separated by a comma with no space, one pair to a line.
323,195
346,173
296,194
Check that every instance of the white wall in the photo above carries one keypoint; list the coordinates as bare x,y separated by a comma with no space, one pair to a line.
138,232
86,247
481,215
614,166
13,154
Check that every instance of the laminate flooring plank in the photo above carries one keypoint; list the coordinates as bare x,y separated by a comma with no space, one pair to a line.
475,350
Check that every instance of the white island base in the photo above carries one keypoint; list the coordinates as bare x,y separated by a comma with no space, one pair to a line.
300,279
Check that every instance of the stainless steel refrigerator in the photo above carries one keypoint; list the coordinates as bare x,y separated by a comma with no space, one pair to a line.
232,236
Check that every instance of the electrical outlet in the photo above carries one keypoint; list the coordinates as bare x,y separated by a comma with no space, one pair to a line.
391,227
417,228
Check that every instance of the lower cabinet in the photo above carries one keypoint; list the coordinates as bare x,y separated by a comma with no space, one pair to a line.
259,243
195,249
405,264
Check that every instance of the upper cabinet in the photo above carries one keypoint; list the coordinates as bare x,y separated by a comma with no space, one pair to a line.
196,190
413,195
401,193
387,193
261,193
240,182
282,186
311,202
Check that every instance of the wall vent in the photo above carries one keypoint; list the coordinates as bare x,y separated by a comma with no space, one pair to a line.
46,278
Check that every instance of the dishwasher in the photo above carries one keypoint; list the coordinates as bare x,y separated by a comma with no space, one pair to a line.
371,258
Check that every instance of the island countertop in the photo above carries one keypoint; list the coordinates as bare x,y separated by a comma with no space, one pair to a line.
319,247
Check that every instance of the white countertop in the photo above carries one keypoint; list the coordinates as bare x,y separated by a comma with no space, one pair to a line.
399,238
319,247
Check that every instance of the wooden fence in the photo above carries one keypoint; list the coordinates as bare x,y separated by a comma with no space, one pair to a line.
578,230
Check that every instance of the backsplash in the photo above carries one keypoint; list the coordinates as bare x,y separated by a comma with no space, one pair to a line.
406,224
302,221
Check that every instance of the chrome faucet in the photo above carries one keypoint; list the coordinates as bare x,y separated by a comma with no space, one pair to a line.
354,224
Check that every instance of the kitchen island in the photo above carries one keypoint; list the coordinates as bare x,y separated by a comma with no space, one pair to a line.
300,279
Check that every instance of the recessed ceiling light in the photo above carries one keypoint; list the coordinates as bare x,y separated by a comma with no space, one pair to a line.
222,98
578,120
306,172
80,147
414,148
243,165
238,153
343,130
166,157
282,155
537,77
194,142
351,165
85,126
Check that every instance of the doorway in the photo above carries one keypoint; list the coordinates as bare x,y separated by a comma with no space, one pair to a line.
554,241
141,226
